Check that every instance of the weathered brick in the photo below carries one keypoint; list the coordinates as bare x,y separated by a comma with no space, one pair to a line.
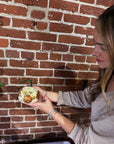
88,1
13,72
4,21
81,50
23,23
38,14
21,112
77,66
38,72
33,2
42,36
63,28
41,25
60,4
54,56
53,15
41,56
76,19
12,33
9,105
12,54
80,58
96,11
17,131
25,45
3,63
15,10
56,65
55,47
70,39
91,59
65,73
4,42
1,53
24,63
27,55
105,2
82,30
53,81
67,57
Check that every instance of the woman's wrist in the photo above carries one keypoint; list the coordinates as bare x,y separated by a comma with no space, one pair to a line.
52,113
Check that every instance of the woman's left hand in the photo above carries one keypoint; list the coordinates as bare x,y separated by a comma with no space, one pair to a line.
46,105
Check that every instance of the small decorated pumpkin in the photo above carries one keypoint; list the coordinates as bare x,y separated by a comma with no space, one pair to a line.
28,94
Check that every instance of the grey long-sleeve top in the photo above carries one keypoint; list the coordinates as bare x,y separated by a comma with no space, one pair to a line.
101,129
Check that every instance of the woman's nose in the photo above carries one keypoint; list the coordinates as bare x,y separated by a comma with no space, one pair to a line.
95,51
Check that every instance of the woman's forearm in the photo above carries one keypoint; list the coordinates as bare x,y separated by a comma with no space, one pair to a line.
53,96
64,122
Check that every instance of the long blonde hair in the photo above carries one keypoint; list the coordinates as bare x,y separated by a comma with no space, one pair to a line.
105,27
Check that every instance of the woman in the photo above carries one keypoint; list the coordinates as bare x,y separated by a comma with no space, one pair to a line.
100,96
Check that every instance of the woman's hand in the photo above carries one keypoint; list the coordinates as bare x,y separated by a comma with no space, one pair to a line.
46,105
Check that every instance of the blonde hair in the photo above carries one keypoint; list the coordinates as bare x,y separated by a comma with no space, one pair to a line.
105,27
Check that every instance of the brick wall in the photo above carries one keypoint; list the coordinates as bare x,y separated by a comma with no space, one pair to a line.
50,42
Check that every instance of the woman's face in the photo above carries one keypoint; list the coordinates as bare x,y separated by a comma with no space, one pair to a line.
100,52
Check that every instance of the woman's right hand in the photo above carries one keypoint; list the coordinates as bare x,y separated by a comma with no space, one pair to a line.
53,96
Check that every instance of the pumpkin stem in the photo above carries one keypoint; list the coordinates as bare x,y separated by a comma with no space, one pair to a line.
26,81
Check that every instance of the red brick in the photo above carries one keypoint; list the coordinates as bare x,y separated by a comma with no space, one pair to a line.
80,58
82,30
9,104
41,56
60,4
13,96
106,3
15,10
17,131
24,63
67,57
41,25
42,36
23,23
13,72
39,130
3,97
5,126
76,19
12,54
4,42
57,27
38,14
27,55
86,75
22,125
4,21
54,56
25,45
21,112
88,1
90,10
1,53
3,63
17,80
38,72
54,47
22,137
4,119
77,66
30,118
91,59
90,42
94,68
53,15
56,65
53,81
65,73
47,123
17,118
81,50
12,33
33,2
70,39
3,112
